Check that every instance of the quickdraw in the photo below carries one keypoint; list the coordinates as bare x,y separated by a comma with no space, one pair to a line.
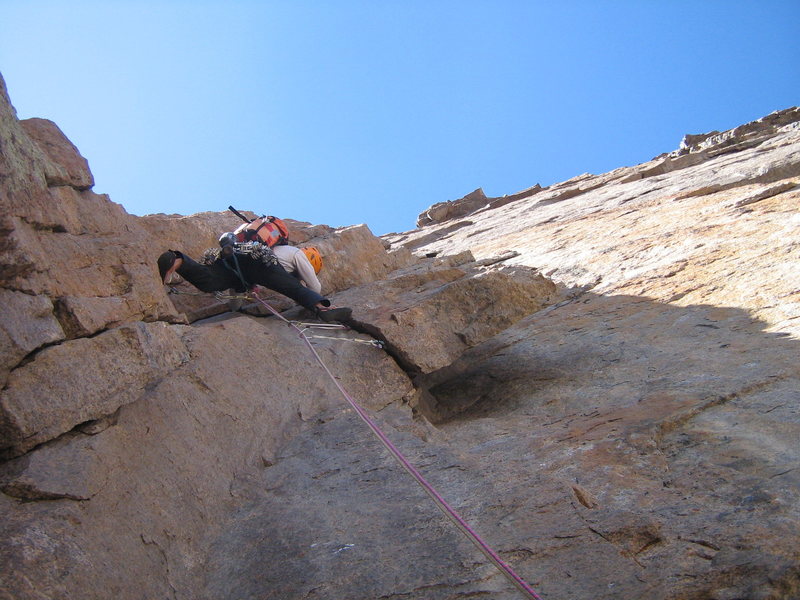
217,295
376,343
303,327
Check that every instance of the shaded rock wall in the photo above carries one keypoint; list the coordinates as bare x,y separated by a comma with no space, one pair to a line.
86,379
428,314
644,429
128,507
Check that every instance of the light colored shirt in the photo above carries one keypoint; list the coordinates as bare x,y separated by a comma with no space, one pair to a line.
295,261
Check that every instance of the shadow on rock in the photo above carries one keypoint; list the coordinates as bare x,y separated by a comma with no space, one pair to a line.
671,429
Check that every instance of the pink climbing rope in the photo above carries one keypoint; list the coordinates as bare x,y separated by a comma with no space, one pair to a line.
449,511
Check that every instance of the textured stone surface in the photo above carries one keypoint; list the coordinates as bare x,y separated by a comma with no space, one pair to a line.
641,449
156,488
55,145
61,240
472,202
28,323
430,313
642,435
84,379
636,439
342,520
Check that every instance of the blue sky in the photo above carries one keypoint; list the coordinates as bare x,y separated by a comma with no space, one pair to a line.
368,112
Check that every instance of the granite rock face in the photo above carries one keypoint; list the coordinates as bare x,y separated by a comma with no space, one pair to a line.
65,244
69,168
430,313
647,424
84,379
130,506
600,376
472,202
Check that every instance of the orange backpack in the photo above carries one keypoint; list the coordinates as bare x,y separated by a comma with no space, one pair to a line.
267,230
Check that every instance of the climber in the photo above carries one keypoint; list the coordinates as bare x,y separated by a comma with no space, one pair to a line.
296,262
241,266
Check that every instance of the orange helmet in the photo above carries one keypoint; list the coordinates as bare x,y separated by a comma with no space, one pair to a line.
314,257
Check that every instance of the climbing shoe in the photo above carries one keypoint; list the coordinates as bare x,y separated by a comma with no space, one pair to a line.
166,264
334,314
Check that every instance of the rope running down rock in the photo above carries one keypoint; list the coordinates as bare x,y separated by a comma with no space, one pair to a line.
448,511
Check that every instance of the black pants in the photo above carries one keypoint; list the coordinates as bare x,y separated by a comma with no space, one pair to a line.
221,275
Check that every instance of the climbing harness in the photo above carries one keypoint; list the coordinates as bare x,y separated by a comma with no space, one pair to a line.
440,502
237,270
